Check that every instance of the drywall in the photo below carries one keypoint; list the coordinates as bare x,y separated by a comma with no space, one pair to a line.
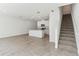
57,36
54,24
16,14
67,9
75,18
10,26
26,10
15,17
46,22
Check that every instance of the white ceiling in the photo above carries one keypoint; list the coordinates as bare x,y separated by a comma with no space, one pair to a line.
26,10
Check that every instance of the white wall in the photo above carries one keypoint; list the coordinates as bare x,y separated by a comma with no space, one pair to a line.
57,34
26,10
16,15
10,26
75,17
54,24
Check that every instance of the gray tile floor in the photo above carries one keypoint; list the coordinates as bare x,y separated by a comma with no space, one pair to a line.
24,45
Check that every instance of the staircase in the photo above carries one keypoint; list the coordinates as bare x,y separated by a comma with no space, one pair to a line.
67,40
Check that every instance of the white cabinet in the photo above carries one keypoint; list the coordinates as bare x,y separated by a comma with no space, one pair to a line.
36,33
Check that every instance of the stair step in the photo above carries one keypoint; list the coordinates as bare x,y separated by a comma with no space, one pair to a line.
68,45
68,48
70,33
67,40
67,35
67,24
67,30
66,27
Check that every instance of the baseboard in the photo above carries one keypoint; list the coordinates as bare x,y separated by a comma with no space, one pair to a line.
12,35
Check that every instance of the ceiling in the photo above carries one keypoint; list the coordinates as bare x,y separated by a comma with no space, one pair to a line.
27,10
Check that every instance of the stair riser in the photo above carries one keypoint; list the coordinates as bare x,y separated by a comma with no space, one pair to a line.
67,27
67,37
68,40
67,32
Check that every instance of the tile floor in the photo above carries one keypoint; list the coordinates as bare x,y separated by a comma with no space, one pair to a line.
23,45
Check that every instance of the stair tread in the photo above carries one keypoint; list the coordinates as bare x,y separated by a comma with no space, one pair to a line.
67,31
67,36
67,48
67,41
64,27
